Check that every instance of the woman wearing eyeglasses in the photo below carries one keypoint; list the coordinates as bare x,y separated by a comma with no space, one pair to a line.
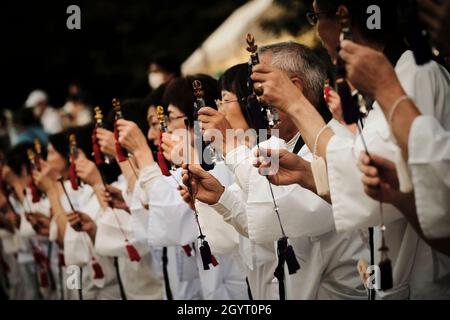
352,208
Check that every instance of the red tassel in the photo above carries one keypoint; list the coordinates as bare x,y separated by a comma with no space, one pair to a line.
133,254
98,271
214,261
73,173
119,150
326,92
96,148
34,192
187,249
43,279
163,164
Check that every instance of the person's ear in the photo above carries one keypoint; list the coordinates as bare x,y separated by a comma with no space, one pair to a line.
298,83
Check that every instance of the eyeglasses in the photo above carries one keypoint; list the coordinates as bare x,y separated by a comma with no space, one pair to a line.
176,118
313,17
221,103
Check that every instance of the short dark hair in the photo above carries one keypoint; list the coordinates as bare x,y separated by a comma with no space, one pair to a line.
358,15
17,157
235,80
155,98
168,63
60,142
83,135
132,110
180,93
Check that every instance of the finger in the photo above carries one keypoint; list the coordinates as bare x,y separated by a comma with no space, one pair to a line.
185,178
197,170
346,56
364,158
263,68
349,46
371,181
382,163
374,193
122,123
111,189
263,152
430,21
207,111
204,118
369,171
429,7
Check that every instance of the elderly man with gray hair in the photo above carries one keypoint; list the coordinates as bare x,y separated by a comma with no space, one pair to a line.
328,260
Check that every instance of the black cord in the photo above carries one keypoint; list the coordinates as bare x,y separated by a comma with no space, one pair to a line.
119,279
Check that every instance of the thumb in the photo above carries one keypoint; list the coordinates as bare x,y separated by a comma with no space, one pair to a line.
382,163
197,170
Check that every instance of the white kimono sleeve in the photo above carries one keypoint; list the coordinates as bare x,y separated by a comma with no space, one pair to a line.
221,236
302,212
232,209
429,161
427,85
114,228
171,222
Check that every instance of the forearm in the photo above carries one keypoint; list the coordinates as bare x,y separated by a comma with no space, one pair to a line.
306,180
403,116
232,210
144,157
129,175
99,190
406,205
309,122
58,213
92,233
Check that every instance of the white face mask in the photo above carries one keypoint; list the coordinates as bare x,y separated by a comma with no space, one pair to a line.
155,79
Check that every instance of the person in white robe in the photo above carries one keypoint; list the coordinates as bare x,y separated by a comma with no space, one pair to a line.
428,86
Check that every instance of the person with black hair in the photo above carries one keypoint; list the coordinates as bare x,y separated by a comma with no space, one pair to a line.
222,238
162,69
340,177
302,212
170,222
75,212
113,228
132,110
15,176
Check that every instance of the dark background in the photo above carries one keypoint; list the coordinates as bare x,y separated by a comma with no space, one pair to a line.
109,55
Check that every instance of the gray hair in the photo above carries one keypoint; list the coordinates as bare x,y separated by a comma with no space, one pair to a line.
299,60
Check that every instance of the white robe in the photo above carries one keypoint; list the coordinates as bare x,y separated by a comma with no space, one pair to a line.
260,259
79,249
429,162
428,86
226,281
167,223
308,222
140,279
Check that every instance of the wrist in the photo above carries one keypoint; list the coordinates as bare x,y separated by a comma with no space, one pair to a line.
386,97
50,190
92,232
143,156
217,195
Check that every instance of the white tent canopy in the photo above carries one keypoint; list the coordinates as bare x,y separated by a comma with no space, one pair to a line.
227,41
